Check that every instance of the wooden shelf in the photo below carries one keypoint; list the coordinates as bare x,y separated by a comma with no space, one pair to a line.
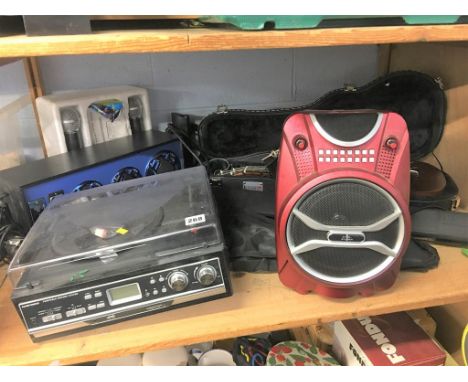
260,303
188,40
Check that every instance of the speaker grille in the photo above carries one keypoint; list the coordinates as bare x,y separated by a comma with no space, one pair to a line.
345,204
345,213
385,162
304,161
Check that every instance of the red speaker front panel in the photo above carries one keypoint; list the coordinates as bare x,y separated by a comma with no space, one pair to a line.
342,219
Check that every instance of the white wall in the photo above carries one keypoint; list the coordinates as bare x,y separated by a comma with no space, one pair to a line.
197,82
19,138
194,83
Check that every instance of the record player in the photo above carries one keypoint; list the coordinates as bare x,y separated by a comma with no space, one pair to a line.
120,251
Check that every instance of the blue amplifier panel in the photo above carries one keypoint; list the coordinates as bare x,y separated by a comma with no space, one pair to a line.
161,158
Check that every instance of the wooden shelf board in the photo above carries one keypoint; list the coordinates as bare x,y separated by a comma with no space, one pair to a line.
260,303
187,40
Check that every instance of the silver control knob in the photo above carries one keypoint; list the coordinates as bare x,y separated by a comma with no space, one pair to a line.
206,274
178,281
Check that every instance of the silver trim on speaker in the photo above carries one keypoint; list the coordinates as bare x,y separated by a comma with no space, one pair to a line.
376,246
315,244
339,142
377,226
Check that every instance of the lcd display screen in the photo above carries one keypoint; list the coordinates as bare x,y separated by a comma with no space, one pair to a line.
125,293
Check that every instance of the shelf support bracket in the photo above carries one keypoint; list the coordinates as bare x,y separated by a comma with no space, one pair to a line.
31,69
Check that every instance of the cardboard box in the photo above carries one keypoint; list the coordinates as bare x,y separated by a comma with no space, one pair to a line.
387,340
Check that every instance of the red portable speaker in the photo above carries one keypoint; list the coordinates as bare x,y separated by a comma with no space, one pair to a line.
342,201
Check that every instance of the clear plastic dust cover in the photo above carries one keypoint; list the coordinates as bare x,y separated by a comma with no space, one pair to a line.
117,229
